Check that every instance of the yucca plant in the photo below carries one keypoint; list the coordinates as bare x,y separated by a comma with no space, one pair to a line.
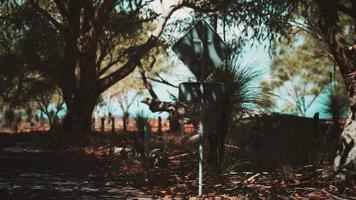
242,97
335,104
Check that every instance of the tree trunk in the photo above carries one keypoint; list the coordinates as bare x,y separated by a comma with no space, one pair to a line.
174,125
345,159
345,162
124,121
113,124
78,119
80,107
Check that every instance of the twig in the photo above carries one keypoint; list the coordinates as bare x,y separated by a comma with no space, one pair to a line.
178,156
252,178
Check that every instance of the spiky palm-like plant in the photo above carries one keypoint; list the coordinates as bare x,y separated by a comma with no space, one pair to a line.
242,96
335,104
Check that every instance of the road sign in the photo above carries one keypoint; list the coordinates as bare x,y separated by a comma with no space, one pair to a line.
201,42
202,50
190,92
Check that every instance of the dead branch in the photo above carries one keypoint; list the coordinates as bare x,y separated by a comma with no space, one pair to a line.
156,105
141,51
160,79
148,85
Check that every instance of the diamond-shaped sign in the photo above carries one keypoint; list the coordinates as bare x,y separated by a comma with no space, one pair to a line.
201,47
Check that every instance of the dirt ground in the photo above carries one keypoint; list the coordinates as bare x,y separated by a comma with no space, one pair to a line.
99,172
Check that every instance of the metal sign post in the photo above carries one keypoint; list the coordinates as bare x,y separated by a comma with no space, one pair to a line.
202,76
201,125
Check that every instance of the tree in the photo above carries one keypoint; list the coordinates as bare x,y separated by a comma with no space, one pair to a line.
76,43
20,83
50,103
8,117
16,81
85,35
125,99
300,71
12,80
345,160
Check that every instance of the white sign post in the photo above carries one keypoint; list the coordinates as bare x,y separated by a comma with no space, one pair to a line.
201,125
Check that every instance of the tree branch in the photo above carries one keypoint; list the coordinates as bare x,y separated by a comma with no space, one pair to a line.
159,106
346,10
88,16
66,71
315,97
129,66
101,15
97,18
162,80
58,25
166,14
139,53
353,3
104,49
146,83
61,8
336,42
112,62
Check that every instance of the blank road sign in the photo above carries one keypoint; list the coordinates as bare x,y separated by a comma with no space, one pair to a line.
190,92
201,42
